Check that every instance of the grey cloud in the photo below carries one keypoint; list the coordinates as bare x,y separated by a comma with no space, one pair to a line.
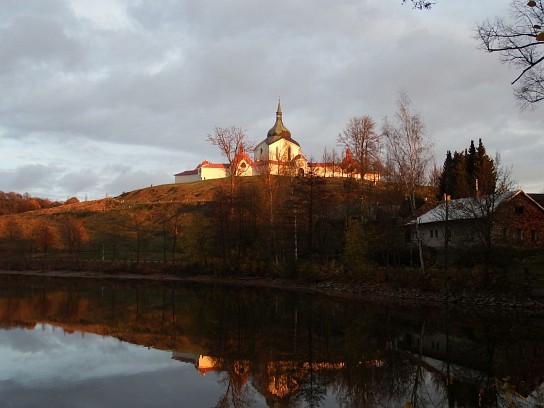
132,180
33,41
79,181
29,176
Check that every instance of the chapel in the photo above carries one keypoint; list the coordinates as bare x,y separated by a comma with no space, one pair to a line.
277,154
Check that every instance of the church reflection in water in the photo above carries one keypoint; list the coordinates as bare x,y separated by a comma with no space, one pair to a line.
300,349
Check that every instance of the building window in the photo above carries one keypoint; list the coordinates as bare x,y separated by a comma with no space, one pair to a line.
436,233
534,235
518,209
519,233
432,233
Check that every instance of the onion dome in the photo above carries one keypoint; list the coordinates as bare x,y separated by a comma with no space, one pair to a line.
279,131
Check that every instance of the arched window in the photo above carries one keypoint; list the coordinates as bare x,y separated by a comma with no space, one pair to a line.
289,153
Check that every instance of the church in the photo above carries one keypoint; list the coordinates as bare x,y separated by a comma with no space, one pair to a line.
278,154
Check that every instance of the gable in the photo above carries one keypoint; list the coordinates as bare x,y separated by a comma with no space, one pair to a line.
470,208
465,208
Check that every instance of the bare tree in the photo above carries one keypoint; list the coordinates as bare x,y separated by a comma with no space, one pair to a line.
136,224
12,229
73,234
409,153
45,237
482,208
169,216
232,142
331,162
519,41
360,137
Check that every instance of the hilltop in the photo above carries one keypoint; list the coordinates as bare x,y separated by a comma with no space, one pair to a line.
187,193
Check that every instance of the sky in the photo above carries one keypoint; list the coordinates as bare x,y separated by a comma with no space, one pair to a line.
106,96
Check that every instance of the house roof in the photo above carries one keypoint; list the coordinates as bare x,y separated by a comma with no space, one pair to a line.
539,198
214,165
466,208
187,173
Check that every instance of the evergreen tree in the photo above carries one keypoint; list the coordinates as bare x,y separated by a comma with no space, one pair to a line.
468,173
447,178
470,161
484,171
461,186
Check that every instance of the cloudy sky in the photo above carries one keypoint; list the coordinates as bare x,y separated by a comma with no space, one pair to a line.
105,96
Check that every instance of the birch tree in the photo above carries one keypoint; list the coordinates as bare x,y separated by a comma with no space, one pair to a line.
409,155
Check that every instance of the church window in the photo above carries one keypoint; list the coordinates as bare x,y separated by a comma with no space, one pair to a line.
289,153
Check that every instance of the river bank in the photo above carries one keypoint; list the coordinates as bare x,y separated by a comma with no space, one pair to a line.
486,300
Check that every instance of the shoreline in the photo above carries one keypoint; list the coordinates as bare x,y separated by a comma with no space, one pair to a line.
375,292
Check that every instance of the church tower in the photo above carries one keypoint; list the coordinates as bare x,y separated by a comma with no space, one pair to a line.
279,146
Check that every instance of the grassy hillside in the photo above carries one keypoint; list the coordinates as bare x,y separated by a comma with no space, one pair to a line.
110,223
263,221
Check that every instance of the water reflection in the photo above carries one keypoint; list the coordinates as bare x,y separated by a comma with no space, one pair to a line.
69,342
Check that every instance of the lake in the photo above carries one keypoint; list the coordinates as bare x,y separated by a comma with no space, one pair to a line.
67,342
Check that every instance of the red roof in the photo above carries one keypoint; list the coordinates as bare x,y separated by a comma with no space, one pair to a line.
209,165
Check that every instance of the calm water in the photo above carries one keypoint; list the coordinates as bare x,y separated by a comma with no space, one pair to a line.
91,343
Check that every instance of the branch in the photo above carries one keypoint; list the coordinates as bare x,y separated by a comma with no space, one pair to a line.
421,4
531,66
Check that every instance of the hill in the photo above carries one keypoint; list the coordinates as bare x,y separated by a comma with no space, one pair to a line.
207,223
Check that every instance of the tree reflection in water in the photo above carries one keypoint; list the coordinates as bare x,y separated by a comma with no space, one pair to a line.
299,349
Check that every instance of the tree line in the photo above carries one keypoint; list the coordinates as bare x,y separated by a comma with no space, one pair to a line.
15,203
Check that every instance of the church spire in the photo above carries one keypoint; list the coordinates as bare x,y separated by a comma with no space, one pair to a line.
279,131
